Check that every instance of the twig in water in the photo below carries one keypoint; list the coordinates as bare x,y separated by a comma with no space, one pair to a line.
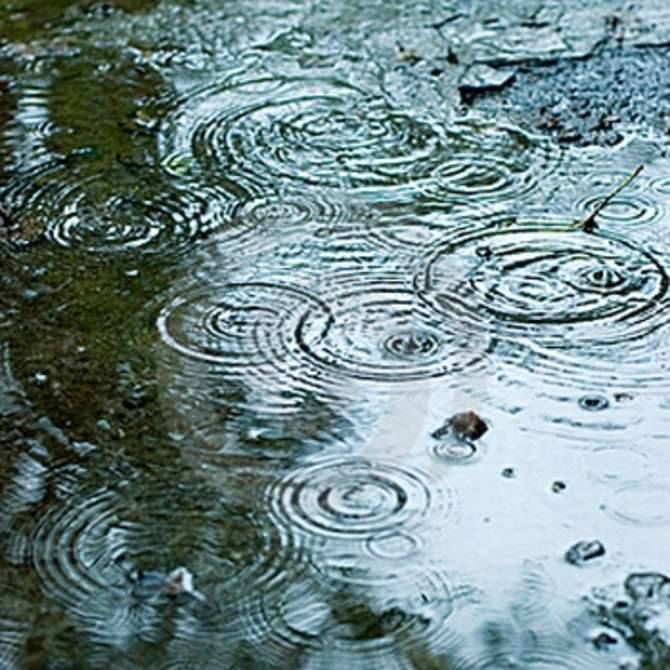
588,223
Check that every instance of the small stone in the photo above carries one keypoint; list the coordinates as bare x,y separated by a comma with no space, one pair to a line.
584,551
603,640
508,473
558,486
468,425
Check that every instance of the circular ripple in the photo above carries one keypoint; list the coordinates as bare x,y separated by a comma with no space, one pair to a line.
455,451
393,546
235,324
556,287
114,225
294,210
324,616
616,465
632,366
96,215
380,332
488,163
317,132
661,186
330,134
546,656
356,498
640,504
74,549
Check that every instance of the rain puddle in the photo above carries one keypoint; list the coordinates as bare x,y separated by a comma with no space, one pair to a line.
303,363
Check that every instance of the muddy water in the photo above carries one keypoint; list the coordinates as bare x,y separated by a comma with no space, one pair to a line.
254,257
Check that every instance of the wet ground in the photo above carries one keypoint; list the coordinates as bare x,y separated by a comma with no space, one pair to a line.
254,257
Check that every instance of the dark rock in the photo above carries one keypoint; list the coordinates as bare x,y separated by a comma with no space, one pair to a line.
508,473
558,486
603,640
584,551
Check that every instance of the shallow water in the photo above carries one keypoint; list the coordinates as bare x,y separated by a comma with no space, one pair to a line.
255,255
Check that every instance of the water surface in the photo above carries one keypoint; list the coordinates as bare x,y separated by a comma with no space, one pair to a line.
254,257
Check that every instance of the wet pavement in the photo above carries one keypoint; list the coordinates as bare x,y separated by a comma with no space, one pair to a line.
303,362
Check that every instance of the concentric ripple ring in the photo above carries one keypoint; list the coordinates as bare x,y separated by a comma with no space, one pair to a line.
229,324
381,332
356,498
555,286
314,131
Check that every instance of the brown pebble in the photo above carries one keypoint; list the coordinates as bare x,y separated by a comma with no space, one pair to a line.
468,425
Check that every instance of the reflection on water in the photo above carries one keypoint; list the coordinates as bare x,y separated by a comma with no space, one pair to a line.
254,259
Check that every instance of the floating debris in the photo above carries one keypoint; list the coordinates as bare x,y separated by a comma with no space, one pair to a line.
150,584
179,581
464,425
588,223
584,551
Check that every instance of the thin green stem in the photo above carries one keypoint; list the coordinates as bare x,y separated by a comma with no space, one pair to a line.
588,223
